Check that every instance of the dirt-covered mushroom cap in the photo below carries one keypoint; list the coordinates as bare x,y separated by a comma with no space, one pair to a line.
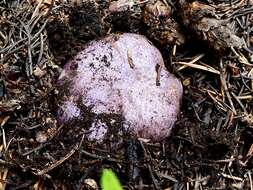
119,82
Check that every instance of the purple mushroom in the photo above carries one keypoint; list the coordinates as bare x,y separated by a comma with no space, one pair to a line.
119,82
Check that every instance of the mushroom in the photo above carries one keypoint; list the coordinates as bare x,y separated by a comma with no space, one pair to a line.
119,83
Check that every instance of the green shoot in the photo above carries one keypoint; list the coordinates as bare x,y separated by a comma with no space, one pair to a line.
109,180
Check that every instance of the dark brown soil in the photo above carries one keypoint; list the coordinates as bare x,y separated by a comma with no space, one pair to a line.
207,44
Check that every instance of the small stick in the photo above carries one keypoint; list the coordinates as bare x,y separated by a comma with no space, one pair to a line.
156,185
239,102
224,83
130,59
58,162
158,76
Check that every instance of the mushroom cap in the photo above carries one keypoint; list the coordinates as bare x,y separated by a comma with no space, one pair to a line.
120,81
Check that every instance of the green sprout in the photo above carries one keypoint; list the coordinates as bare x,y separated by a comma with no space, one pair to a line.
109,180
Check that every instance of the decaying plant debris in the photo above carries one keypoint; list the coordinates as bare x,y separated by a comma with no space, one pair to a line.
212,146
161,26
208,25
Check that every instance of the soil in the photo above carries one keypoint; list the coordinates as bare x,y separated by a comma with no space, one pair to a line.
207,44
